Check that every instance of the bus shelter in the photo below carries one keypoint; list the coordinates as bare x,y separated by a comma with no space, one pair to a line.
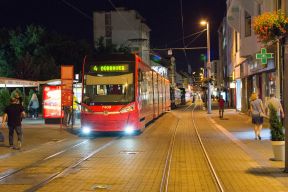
17,83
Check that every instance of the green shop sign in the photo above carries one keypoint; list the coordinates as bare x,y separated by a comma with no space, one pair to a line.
264,56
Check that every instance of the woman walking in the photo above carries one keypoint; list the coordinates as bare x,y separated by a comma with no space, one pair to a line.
33,106
257,111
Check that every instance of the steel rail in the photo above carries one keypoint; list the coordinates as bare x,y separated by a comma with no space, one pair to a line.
211,167
10,173
28,149
166,171
69,168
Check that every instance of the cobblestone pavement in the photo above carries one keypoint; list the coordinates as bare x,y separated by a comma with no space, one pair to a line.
137,163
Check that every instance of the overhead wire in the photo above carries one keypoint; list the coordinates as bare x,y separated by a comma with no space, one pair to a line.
182,24
186,37
123,18
77,9
195,38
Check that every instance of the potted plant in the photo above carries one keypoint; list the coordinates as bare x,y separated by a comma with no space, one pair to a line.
277,134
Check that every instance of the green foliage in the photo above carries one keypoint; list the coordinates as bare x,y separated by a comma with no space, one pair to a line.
276,128
5,68
101,48
33,53
5,100
40,99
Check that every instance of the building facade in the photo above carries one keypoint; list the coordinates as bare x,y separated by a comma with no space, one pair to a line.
123,28
248,73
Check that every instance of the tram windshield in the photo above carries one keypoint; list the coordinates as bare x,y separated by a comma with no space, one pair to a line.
109,89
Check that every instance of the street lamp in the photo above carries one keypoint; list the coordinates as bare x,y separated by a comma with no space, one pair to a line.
208,65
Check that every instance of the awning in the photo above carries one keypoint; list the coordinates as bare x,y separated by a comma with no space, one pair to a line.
11,82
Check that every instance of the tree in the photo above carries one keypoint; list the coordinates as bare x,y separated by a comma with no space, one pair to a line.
33,53
5,69
28,55
66,50
5,100
101,48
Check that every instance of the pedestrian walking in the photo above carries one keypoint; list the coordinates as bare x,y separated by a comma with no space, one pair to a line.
257,113
275,102
33,106
221,104
14,113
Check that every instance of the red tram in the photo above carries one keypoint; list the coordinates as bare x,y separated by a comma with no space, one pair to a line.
121,93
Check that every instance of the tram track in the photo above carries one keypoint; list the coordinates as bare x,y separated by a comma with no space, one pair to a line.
168,161
216,179
70,168
10,173
15,174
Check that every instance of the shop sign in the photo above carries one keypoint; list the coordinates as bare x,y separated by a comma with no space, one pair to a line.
232,85
264,56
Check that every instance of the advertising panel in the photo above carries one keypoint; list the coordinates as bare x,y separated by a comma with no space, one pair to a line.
67,75
52,102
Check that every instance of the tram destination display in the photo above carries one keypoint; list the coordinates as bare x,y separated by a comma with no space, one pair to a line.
110,68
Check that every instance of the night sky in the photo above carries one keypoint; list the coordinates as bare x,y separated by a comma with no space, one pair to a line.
74,18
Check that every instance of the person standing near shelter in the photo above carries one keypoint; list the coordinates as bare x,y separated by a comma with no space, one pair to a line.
257,112
72,115
33,106
275,102
14,113
221,103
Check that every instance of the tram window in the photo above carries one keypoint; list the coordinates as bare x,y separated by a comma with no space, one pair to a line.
111,89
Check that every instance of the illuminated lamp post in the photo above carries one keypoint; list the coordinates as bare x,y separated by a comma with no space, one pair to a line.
208,65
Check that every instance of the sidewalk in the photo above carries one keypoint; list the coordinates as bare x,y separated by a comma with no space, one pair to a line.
36,132
239,128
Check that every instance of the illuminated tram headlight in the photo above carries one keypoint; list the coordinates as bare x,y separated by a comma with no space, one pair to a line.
129,130
86,130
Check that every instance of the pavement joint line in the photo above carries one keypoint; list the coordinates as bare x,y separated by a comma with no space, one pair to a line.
14,171
69,168
11,154
275,175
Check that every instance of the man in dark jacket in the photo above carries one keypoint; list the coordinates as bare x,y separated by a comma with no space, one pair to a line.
14,113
